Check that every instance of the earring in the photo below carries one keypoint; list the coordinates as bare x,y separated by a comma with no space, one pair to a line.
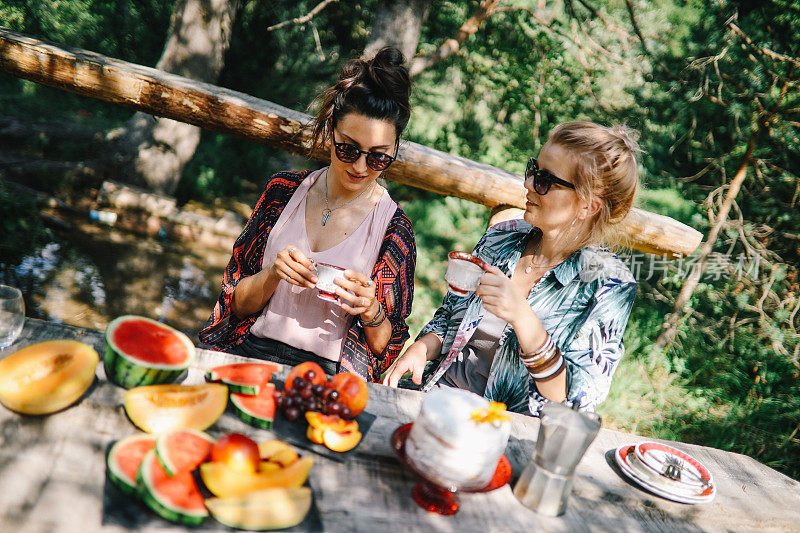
570,229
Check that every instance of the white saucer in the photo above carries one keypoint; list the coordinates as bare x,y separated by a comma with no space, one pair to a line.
643,475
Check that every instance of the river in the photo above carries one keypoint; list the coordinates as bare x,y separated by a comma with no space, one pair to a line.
89,278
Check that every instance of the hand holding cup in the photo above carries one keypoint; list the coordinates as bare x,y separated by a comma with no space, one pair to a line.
294,267
357,295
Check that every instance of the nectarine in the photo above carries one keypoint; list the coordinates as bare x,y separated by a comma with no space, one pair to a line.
301,371
237,451
353,392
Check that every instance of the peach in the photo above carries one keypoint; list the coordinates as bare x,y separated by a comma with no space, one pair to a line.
284,457
314,434
268,448
353,391
334,422
341,442
237,451
300,371
224,481
265,467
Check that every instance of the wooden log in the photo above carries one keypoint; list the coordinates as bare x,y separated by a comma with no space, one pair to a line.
222,110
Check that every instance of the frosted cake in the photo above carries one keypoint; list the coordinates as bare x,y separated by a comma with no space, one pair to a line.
458,438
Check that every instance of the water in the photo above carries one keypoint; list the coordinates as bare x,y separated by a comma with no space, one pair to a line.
88,279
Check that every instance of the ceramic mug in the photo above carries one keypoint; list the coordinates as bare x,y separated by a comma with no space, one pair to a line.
326,274
464,272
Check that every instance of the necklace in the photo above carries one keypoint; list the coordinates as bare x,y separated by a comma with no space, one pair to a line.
326,213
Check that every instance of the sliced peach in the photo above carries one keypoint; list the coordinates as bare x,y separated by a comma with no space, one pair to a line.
334,422
341,442
284,457
315,434
224,481
265,467
268,448
319,420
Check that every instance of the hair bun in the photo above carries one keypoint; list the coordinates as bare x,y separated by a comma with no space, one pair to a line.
388,73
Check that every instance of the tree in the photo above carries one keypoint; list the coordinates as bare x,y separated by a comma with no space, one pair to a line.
397,23
159,148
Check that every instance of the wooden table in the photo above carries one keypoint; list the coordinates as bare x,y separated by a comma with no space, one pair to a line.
53,475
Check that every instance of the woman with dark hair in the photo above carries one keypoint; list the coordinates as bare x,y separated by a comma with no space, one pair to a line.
546,321
269,307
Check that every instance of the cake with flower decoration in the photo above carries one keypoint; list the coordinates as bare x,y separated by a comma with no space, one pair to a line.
458,438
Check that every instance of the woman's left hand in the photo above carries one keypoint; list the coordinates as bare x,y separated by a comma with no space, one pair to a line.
500,296
358,296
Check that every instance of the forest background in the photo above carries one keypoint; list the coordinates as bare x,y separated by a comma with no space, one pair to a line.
713,349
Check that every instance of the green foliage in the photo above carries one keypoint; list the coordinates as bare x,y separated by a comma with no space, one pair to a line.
696,95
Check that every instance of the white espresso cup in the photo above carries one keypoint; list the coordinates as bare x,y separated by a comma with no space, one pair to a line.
325,275
464,272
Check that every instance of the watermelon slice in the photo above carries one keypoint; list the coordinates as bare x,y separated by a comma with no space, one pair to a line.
141,351
175,498
182,450
258,411
124,459
243,378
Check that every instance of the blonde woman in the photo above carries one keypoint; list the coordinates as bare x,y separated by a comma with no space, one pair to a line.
547,319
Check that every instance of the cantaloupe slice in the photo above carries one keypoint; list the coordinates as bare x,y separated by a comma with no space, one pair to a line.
266,509
46,377
157,408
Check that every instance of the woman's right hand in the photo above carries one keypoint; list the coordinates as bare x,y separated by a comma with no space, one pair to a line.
413,360
293,266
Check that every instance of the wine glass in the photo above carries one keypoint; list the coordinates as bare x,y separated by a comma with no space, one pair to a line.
12,315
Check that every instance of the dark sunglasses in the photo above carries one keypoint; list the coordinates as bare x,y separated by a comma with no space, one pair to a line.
349,153
543,179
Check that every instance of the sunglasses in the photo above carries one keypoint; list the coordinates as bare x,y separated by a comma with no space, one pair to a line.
349,153
543,179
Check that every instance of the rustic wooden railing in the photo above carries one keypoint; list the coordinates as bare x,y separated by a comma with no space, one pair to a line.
222,110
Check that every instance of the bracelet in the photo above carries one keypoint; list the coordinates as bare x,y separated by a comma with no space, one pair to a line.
378,320
550,372
546,362
544,351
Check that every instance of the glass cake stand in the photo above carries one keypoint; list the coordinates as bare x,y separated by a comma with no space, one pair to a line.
429,493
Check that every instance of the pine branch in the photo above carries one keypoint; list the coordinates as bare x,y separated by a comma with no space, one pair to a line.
486,9
636,27
302,20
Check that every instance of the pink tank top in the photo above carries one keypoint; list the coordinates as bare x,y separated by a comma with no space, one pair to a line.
295,315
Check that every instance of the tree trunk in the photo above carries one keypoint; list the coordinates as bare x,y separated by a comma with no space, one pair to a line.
199,36
681,307
397,23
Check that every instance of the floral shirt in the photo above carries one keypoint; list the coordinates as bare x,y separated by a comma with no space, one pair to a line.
393,275
583,303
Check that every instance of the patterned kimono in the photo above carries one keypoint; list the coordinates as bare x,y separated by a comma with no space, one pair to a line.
583,303
393,275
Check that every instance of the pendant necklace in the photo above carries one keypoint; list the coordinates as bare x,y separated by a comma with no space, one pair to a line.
326,213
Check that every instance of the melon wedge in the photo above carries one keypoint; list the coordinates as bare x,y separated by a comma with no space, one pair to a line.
175,498
124,460
158,408
243,378
258,411
46,377
263,510
182,450
224,481
140,351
